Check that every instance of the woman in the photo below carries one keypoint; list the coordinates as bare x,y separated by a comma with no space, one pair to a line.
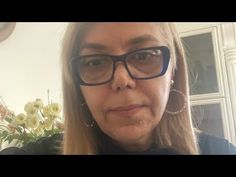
125,91
131,111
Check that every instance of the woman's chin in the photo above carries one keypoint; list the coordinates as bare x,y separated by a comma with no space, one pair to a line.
129,134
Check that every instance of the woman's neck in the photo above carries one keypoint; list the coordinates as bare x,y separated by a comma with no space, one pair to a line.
110,146
138,146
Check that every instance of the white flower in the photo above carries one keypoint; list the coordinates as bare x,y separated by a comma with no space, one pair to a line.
19,119
38,104
32,121
39,130
30,109
48,124
52,110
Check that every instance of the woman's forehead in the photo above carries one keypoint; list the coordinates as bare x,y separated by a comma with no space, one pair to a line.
124,34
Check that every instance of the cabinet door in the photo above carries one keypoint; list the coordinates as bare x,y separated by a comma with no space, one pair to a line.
201,63
208,118
211,110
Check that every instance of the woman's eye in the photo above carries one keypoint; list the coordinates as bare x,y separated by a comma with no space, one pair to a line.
144,55
94,62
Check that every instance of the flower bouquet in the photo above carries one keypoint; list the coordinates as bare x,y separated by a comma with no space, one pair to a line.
37,121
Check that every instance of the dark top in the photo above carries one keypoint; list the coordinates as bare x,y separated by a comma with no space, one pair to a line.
209,145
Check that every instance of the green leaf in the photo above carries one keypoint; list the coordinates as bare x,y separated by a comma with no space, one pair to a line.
10,139
4,139
4,134
8,119
19,129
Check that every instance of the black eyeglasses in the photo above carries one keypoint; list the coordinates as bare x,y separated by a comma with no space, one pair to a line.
141,64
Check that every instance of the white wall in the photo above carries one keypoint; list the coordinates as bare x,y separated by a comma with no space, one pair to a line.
30,64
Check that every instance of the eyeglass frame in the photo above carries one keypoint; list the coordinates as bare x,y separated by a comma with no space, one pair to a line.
121,58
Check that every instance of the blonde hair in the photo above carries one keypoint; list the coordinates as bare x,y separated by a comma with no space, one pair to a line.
177,131
172,131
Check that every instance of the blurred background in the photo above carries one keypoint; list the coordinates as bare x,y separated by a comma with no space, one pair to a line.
30,67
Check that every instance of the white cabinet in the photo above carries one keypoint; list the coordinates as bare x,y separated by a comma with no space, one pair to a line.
211,56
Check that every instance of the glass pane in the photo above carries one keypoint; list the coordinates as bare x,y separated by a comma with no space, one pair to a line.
208,119
201,63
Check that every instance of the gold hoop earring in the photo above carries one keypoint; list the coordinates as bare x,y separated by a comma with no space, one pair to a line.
184,105
172,83
85,112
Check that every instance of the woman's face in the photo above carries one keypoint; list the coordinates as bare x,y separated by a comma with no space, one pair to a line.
125,109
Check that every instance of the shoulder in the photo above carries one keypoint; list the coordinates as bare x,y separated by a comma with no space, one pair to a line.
44,146
213,145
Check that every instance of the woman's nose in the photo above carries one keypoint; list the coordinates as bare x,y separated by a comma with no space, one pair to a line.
121,79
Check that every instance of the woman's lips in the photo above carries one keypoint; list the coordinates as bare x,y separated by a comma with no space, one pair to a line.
126,110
